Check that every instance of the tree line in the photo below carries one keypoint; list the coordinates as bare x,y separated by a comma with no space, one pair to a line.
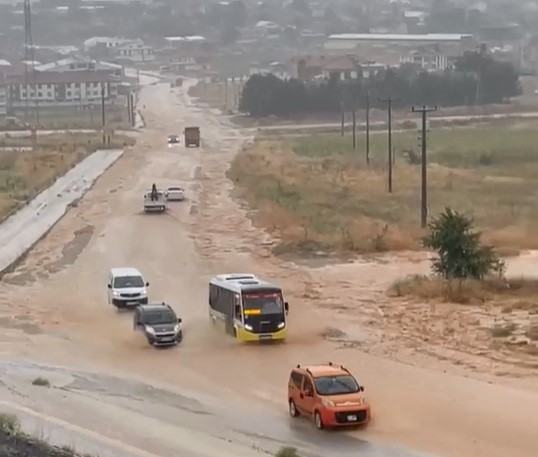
476,79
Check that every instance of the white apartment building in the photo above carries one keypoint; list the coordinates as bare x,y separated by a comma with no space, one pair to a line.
429,61
135,52
56,89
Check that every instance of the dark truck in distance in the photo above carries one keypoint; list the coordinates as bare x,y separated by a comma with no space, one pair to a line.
192,136
159,324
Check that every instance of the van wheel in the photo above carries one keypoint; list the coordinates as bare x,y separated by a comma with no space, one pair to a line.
318,422
293,409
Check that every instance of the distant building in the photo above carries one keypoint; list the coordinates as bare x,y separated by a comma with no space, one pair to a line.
3,96
342,67
431,51
5,67
61,89
279,69
428,60
120,48
264,28
79,64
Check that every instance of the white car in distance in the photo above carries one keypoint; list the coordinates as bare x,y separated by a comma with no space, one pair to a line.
175,193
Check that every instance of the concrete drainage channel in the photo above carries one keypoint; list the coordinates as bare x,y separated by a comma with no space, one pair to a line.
23,229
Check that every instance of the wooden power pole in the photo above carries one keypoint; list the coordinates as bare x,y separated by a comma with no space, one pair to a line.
103,120
390,101
368,128
424,110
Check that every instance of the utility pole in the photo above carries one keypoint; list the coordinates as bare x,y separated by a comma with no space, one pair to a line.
129,110
424,110
133,110
29,65
368,128
103,120
342,115
390,101
226,95
354,118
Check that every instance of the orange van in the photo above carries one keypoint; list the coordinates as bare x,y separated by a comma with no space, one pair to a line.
329,394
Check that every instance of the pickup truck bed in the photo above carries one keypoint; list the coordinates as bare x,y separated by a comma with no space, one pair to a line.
157,205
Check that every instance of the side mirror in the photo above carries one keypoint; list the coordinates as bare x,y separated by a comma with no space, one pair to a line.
237,309
109,286
286,306
147,284
361,388
179,320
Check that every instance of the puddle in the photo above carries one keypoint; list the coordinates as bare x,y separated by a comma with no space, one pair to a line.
20,323
72,249
135,391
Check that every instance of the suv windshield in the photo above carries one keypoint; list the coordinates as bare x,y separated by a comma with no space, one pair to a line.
266,302
336,385
166,316
123,282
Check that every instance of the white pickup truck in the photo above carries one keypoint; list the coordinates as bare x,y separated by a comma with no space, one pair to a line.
155,202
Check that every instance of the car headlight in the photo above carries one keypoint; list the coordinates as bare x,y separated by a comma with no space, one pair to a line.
115,293
248,327
150,330
281,325
327,402
176,328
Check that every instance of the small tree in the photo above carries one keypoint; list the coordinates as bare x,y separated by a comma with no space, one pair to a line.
460,255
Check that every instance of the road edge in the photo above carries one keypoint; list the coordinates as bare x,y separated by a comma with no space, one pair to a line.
68,205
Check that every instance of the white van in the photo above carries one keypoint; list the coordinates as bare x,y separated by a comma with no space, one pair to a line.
127,288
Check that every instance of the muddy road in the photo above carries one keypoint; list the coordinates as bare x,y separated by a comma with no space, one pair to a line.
54,311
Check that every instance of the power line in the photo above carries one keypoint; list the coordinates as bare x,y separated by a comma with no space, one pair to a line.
424,110
390,101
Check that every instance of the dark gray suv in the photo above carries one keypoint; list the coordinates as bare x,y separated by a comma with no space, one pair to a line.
159,323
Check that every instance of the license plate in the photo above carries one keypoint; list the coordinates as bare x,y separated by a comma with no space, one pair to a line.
167,339
266,337
132,303
352,418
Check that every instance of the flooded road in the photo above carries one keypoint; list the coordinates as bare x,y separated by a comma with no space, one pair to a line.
217,397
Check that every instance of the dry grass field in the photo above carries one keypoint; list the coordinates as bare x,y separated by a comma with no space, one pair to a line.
24,173
317,193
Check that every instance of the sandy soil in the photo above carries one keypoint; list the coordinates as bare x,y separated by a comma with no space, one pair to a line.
54,305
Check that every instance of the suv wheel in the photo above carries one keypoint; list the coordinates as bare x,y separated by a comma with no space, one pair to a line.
318,422
293,409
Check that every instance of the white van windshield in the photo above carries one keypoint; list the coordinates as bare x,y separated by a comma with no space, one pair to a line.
124,282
